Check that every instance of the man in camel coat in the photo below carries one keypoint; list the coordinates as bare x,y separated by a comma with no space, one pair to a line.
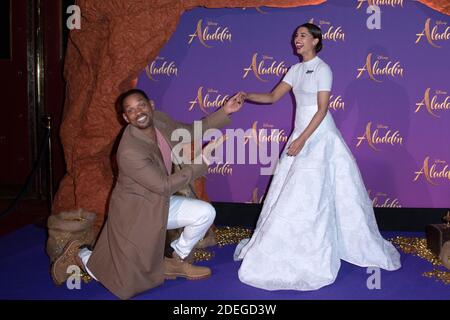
128,257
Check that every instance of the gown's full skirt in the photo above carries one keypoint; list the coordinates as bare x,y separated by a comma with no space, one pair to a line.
316,212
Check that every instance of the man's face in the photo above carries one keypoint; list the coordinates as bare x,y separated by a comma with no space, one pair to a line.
138,111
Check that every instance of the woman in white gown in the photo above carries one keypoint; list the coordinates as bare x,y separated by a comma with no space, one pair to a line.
317,210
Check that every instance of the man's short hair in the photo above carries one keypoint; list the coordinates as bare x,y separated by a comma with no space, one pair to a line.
123,96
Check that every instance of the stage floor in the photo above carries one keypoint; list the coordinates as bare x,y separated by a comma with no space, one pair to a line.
24,274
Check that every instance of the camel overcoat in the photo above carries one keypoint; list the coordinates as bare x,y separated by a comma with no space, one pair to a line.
128,256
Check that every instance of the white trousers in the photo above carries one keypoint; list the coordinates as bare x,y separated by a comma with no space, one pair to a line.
196,216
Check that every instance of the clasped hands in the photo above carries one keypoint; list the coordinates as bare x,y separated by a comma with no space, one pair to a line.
232,105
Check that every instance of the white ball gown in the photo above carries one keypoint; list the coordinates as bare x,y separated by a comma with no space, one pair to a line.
317,210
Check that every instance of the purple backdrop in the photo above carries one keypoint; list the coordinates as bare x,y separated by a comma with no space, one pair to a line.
390,95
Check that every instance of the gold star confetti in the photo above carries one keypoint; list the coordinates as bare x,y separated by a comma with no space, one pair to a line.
418,247
202,255
224,236
444,276
231,235
85,277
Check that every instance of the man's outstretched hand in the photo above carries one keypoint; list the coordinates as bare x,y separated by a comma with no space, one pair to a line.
235,103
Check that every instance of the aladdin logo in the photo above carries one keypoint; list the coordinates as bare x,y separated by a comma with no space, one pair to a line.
208,100
255,197
263,68
332,33
392,3
382,200
336,103
216,33
222,169
433,104
377,137
434,34
261,136
158,68
438,170
390,69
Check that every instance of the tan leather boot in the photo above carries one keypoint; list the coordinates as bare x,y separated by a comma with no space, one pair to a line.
176,267
68,257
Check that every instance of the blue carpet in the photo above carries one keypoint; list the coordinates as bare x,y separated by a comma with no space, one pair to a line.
24,274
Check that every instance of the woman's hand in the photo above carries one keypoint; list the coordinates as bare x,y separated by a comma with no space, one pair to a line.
296,146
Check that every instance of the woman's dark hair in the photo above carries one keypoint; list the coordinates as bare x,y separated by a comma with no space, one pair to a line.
126,94
316,32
